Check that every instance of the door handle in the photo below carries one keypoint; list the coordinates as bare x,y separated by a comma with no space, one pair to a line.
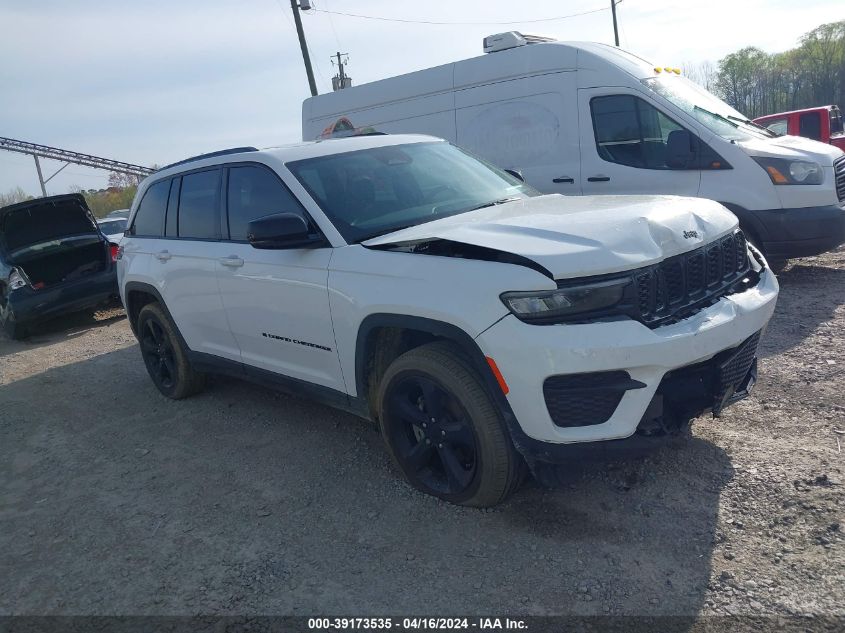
563,179
599,178
232,262
163,256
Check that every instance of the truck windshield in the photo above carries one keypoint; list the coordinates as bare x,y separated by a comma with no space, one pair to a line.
707,109
371,192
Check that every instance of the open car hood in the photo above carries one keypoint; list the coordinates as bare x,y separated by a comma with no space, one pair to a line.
569,237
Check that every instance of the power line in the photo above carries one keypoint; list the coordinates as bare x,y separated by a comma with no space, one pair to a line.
433,22
331,24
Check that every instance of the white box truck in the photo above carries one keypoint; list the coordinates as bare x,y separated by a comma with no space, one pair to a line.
583,118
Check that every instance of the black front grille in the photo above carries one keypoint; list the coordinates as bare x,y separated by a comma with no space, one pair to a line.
682,285
586,399
712,385
733,371
839,171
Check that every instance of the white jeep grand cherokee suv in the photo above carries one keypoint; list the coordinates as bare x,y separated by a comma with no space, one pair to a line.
482,325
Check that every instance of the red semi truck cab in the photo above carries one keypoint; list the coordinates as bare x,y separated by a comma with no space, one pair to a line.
821,124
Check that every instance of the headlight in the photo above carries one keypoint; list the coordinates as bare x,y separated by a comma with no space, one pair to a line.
16,280
565,302
791,172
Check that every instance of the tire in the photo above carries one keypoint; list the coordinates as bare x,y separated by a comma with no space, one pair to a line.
443,431
777,266
10,325
165,356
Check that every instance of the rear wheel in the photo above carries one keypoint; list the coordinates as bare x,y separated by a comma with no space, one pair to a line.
165,356
443,431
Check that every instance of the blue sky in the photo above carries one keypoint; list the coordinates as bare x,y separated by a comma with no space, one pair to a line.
156,81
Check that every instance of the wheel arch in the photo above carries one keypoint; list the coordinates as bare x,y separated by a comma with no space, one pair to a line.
749,223
138,294
382,337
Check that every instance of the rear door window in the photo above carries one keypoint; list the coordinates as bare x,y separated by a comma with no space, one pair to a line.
255,192
149,219
199,202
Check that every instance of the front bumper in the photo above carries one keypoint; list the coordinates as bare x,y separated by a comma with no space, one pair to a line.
30,306
527,355
788,233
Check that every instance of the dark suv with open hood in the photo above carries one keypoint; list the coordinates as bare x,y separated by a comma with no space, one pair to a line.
53,260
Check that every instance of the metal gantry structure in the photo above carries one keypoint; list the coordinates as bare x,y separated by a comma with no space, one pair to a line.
69,157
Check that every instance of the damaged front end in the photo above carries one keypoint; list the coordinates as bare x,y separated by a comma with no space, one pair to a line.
450,248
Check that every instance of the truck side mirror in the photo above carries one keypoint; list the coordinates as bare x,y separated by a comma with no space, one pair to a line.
516,174
679,151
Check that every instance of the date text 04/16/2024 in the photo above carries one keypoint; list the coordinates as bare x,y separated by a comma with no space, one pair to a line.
415,624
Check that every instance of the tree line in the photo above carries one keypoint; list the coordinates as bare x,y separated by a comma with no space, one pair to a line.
119,194
758,83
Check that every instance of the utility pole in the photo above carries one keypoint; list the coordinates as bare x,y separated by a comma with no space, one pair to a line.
305,57
341,80
615,27
40,177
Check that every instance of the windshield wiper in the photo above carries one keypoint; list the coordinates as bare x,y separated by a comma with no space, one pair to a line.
493,203
716,116
385,232
753,124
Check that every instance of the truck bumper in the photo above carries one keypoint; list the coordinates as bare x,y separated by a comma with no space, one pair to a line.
624,377
790,233
31,306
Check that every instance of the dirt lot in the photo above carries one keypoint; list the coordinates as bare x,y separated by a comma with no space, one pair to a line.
114,500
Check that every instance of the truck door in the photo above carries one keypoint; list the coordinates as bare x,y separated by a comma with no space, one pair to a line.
623,146
528,124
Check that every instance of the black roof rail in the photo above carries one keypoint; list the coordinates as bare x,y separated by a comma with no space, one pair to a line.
350,134
222,152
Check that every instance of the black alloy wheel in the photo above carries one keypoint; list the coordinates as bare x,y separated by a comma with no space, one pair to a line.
432,436
157,350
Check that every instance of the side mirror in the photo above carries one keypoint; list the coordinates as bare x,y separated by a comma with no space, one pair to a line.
516,174
679,151
282,230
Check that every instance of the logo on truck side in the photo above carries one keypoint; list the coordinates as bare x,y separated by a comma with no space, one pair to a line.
691,234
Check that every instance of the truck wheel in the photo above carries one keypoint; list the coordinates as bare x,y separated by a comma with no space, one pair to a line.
443,431
10,325
165,357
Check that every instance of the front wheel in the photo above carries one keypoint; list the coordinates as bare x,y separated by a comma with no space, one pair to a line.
443,431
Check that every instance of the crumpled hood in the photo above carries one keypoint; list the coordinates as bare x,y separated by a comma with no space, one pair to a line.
792,147
581,236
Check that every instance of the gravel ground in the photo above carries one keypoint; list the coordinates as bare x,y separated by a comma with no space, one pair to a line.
114,500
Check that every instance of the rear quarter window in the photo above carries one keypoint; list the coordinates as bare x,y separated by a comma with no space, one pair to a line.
149,219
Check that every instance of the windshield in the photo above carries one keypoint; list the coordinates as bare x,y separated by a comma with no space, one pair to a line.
707,109
371,192
110,227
